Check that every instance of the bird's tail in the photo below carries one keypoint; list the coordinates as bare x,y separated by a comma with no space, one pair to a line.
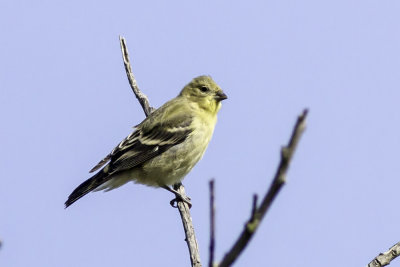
87,186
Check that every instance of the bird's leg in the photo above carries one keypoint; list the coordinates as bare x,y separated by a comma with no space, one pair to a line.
178,197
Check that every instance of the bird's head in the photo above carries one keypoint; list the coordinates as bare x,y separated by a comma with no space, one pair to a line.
205,92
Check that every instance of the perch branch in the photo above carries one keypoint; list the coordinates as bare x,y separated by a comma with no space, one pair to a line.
183,207
190,239
385,258
258,213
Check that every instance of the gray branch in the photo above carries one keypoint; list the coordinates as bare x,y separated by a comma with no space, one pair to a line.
183,207
142,98
385,258
258,213
186,218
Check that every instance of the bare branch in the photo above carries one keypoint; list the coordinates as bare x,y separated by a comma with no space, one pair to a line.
385,258
142,98
182,206
286,155
212,224
191,240
279,180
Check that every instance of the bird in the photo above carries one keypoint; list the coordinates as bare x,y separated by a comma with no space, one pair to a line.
165,146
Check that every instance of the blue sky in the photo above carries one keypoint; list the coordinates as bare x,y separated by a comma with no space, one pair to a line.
65,103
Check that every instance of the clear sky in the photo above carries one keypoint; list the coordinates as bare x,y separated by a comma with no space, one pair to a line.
65,103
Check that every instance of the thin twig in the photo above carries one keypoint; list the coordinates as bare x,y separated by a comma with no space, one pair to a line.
142,98
254,208
385,258
279,180
183,207
212,224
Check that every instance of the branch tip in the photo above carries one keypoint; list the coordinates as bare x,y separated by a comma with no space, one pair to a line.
254,207
142,98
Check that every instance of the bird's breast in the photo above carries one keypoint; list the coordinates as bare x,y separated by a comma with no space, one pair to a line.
174,164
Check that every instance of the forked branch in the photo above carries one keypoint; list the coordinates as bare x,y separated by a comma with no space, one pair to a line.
258,213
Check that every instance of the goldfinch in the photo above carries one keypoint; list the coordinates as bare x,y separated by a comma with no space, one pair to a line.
165,146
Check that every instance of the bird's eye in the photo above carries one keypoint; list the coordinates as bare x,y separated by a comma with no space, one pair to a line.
204,89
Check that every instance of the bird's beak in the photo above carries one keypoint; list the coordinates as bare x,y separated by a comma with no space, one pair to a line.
220,96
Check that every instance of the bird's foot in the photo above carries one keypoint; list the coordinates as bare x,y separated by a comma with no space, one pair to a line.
178,197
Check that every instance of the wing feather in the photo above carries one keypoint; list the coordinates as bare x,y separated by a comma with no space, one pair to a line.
124,143
149,145
147,142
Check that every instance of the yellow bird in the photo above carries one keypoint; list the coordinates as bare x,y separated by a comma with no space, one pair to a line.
165,146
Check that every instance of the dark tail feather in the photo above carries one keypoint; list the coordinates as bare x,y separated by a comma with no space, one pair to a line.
86,187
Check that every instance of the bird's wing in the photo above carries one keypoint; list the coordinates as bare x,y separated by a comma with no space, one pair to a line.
124,143
147,141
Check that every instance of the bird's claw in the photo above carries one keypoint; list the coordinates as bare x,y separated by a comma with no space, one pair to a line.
174,202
